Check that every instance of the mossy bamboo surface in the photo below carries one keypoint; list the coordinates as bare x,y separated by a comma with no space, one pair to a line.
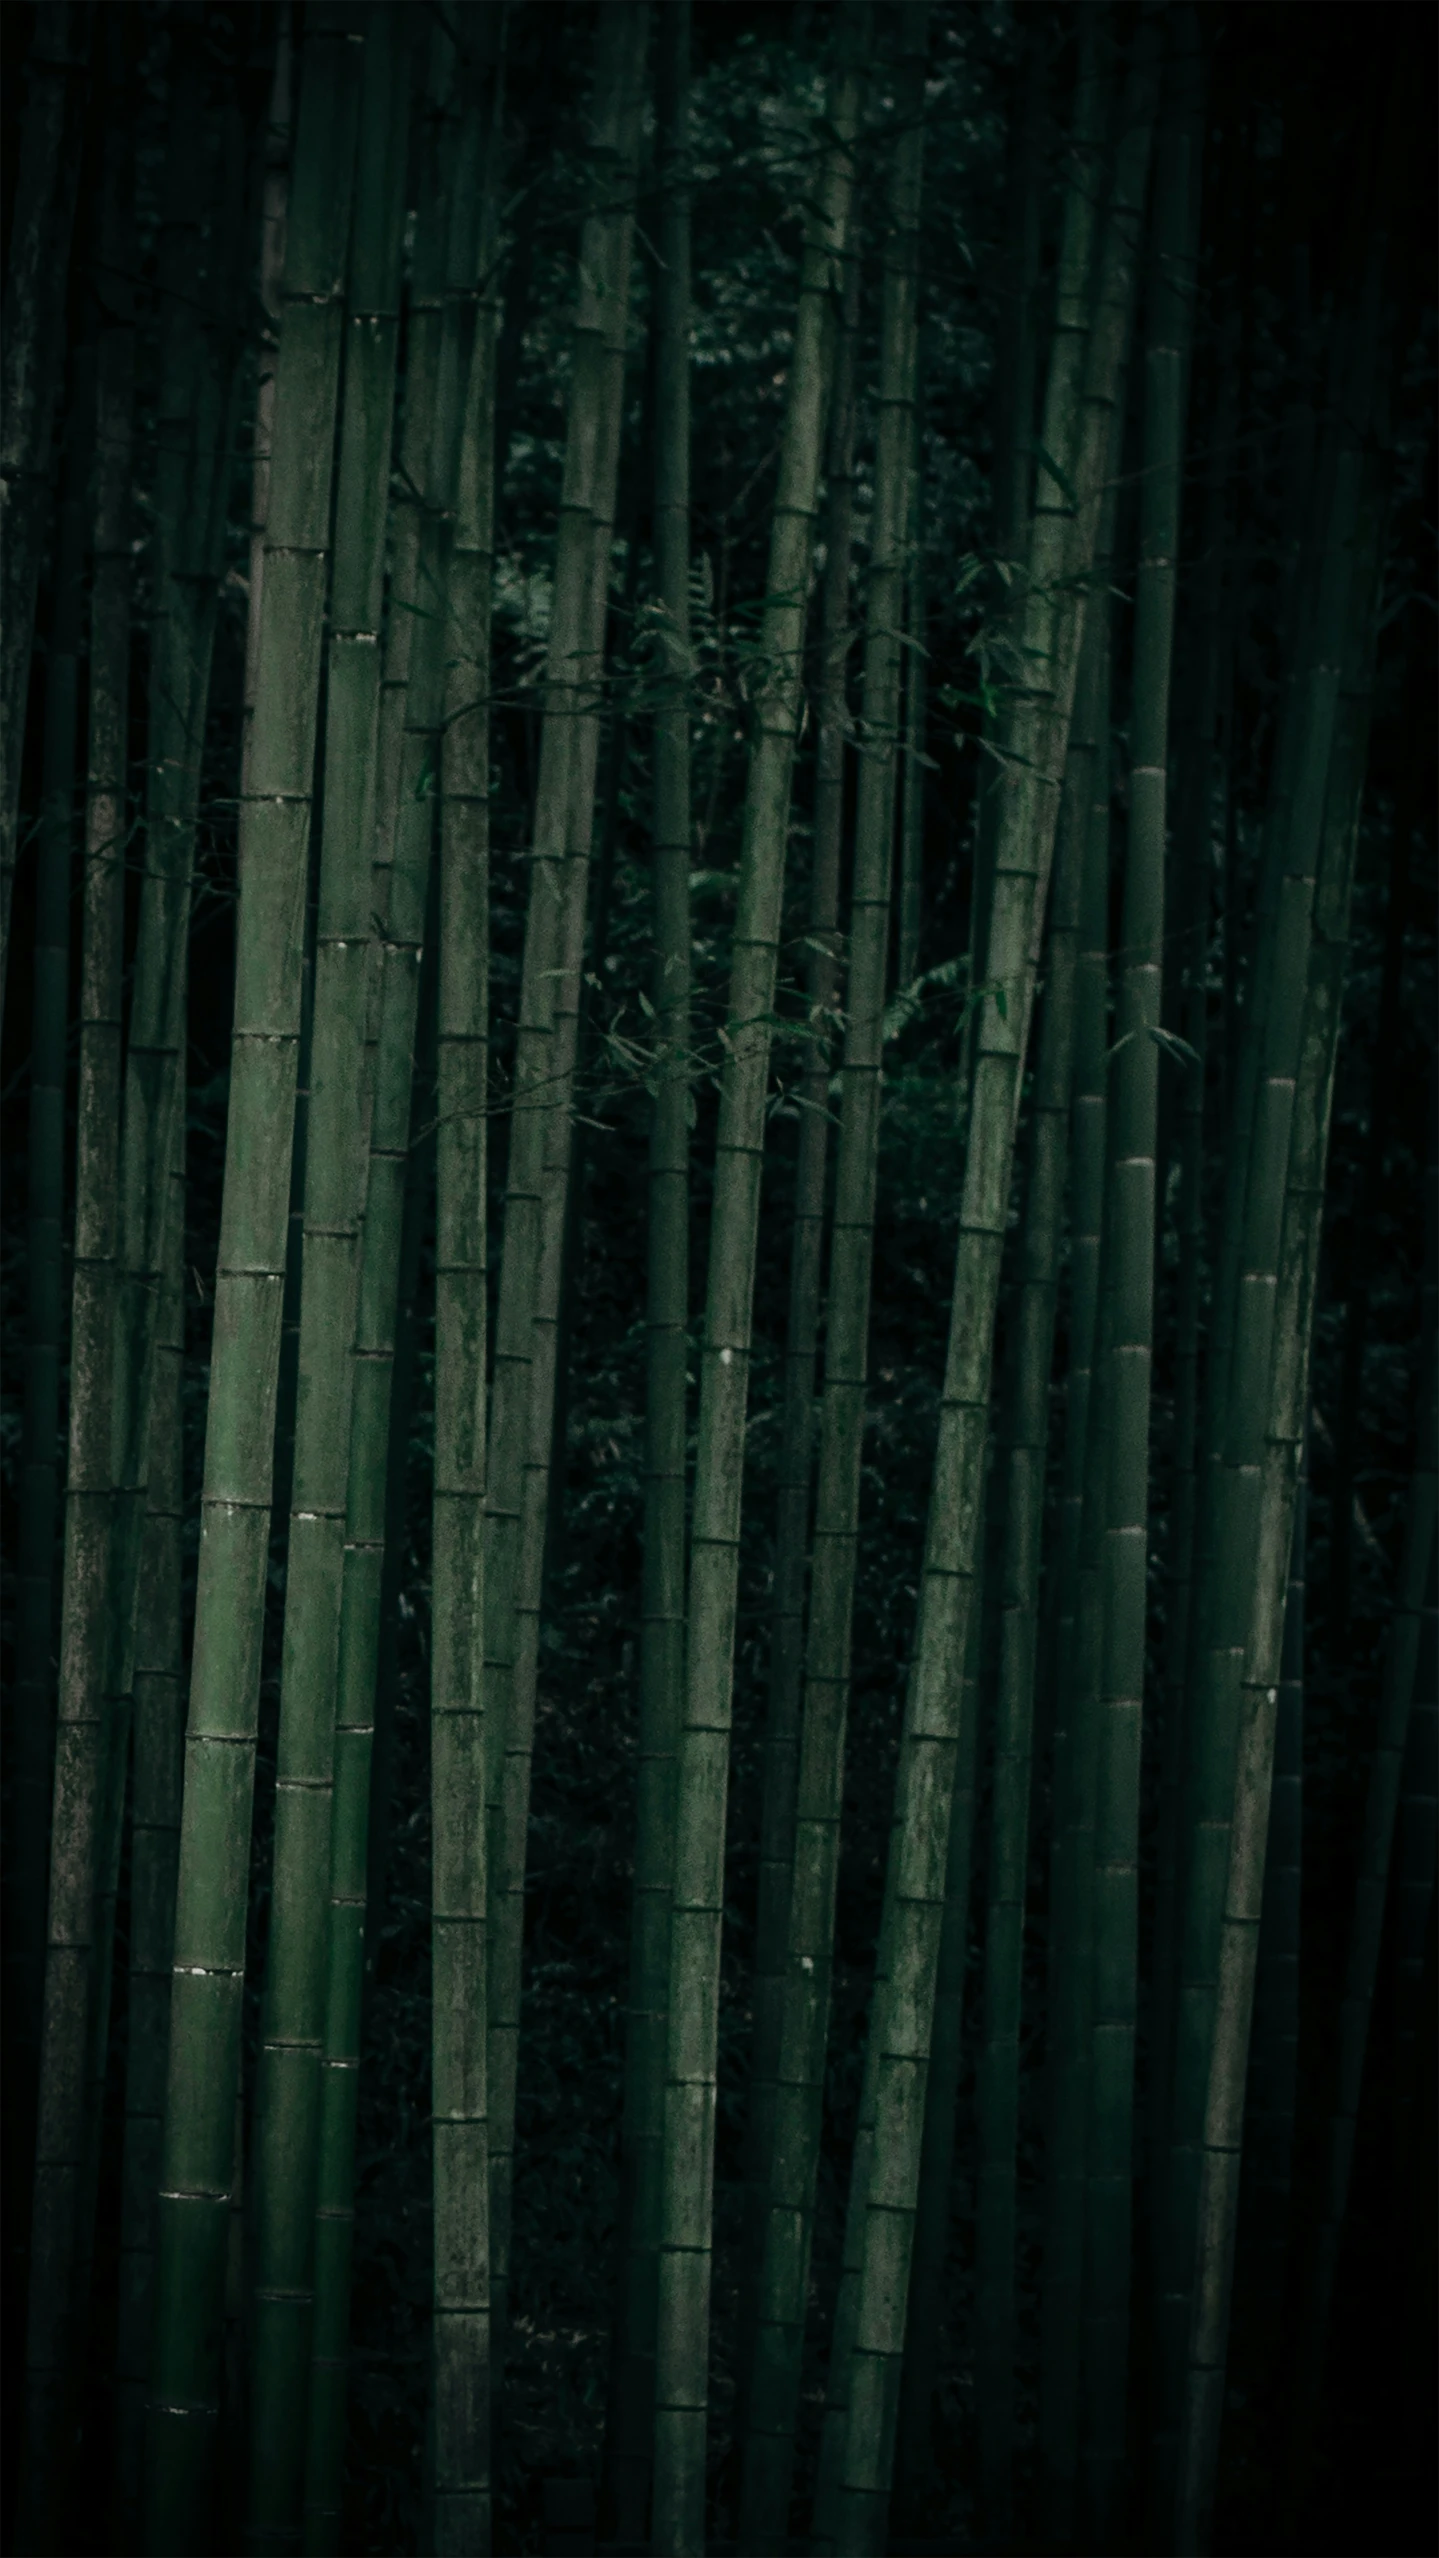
1023,1460
1124,1380
1061,552
287,2093
666,1313
212,1890
682,2393
779,1768
521,1433
46,178
794,2153
52,2333
1282,1389
1241,1352
461,2345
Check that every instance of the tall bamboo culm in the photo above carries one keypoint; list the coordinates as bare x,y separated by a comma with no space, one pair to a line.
288,2081
809,1946
780,1764
1062,545
537,1173
1124,1379
461,2347
1283,1390
1244,1332
682,2336
406,752
667,1316
212,1888
52,2334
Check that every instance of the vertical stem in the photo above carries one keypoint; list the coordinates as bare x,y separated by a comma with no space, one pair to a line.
686,2235
666,1316
809,1950
212,1894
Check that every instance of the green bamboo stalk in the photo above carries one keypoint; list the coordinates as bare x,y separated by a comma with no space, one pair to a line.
1239,1362
1129,1210
235,1511
666,1315
1086,811
914,2453
156,1784
1273,2062
809,1952
911,823
779,1767
1282,1390
1062,549
287,2094
274,191
46,180
50,2355
1016,379
402,889
1201,823
461,2346
682,2391
1024,1463
537,1178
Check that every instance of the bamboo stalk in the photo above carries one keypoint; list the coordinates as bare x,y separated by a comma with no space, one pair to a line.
1283,1391
1124,1379
809,1952
461,2345
212,1891
288,2080
682,2395
1241,1351
667,1313
779,1768
49,1939
1062,545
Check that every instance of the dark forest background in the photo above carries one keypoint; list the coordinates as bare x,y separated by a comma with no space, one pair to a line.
1289,90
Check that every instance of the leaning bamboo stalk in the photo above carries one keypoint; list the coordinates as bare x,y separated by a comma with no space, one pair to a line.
461,2347
666,1314
1283,1386
1240,1356
46,182
212,1893
57,1941
682,2395
911,823
1269,2120
1124,1380
287,2091
537,1177
809,1950
1062,547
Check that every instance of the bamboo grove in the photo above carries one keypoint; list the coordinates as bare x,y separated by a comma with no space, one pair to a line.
720,1476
